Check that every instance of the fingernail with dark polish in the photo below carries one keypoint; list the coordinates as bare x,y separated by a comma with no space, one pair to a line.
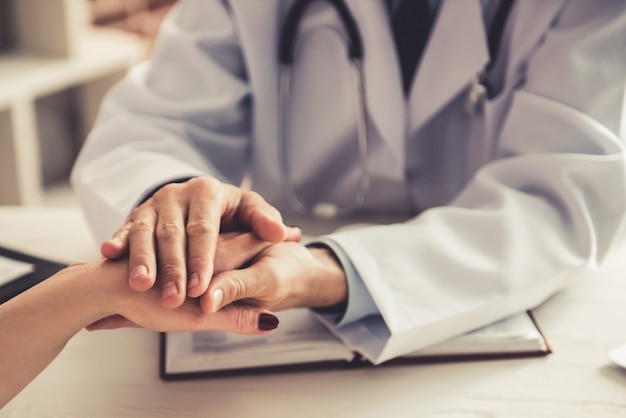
267,322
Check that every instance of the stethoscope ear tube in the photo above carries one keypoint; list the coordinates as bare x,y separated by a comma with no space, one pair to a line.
292,22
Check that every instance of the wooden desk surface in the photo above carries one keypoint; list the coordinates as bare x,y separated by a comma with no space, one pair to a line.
114,373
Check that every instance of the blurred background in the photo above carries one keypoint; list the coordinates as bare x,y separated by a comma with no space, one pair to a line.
57,60
141,17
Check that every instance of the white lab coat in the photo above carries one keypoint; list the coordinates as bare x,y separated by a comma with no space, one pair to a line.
500,206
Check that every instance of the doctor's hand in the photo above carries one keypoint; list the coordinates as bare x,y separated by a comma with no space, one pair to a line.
282,276
234,249
175,233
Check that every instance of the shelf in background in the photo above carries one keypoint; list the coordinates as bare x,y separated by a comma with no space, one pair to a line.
102,52
53,77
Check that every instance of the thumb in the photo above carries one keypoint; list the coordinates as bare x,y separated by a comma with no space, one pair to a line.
228,287
294,233
264,219
117,246
113,248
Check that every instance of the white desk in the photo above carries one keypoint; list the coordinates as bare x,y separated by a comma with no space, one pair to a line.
114,373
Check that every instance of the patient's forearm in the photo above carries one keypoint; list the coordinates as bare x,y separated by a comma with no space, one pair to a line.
36,325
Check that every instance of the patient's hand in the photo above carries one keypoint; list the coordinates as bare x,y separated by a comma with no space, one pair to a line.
118,306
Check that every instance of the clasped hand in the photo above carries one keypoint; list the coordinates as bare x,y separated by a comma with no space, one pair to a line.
218,245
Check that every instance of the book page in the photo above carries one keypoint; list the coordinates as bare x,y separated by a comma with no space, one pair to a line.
517,333
299,338
12,269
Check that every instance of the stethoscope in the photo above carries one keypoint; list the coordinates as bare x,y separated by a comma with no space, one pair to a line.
479,91
355,53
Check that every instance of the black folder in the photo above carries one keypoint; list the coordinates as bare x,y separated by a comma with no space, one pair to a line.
43,268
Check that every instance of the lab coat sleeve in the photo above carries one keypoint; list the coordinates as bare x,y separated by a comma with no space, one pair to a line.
548,207
360,303
184,113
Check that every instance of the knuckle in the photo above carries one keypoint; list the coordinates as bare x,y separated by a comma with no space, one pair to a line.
141,253
171,271
240,288
139,230
169,230
166,191
141,256
273,286
139,226
121,233
196,260
200,227
253,196
242,319
204,184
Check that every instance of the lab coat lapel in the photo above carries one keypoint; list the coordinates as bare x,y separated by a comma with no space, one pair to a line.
383,89
458,36
532,20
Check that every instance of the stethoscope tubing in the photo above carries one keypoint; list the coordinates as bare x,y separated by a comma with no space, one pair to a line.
355,54
479,91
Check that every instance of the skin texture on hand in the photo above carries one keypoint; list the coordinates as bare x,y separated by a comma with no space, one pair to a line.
83,294
234,249
143,308
175,232
282,276
163,234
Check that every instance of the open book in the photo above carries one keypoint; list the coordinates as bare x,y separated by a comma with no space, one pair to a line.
302,342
